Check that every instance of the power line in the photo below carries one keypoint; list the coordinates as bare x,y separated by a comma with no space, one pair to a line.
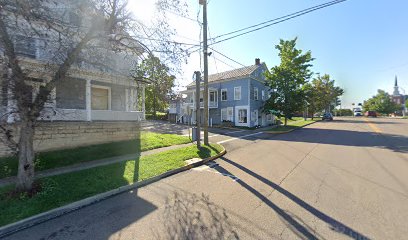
186,17
307,10
168,41
228,57
274,22
215,60
225,63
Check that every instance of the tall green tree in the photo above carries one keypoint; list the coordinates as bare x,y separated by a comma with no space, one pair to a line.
160,86
321,94
381,103
327,91
287,79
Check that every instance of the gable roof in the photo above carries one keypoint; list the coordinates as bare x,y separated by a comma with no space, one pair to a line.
232,74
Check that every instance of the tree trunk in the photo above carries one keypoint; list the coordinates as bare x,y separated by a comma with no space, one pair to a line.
25,175
286,120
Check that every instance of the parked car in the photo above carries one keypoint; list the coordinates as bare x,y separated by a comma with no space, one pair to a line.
327,116
358,114
370,114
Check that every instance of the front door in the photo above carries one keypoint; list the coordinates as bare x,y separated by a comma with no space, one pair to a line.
241,116
256,117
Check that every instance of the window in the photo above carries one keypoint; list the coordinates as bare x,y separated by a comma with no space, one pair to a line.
242,116
263,95
100,98
223,94
227,114
212,96
255,93
268,117
237,93
25,46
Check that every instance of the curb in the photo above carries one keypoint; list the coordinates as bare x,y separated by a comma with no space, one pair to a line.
57,212
291,130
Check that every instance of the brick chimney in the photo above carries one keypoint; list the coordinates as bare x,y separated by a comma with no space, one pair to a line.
257,61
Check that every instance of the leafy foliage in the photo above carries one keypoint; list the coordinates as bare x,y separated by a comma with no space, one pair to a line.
161,83
286,80
343,112
322,94
381,103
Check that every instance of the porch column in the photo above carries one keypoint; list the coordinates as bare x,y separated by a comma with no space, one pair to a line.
88,100
143,103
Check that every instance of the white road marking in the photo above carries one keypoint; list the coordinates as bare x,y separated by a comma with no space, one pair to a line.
232,139
209,168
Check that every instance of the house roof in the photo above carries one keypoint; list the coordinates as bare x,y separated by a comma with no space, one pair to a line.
232,74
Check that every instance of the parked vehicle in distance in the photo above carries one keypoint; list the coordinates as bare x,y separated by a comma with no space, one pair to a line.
357,112
327,116
371,114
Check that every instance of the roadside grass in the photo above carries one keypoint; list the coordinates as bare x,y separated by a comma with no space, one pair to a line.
63,189
297,122
66,157
159,116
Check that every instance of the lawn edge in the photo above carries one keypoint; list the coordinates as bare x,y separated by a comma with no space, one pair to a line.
57,212
291,130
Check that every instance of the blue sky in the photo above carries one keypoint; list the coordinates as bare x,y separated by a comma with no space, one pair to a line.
361,44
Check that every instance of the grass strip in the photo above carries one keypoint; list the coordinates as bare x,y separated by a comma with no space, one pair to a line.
66,157
291,125
63,189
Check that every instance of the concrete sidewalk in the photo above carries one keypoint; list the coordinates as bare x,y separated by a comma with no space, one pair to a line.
92,164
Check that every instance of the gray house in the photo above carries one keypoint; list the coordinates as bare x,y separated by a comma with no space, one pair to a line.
98,101
235,97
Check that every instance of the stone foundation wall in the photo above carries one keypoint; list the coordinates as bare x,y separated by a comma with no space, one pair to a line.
62,135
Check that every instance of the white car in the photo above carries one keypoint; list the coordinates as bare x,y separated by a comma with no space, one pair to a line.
358,114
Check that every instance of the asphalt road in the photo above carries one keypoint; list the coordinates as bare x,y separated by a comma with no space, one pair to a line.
345,179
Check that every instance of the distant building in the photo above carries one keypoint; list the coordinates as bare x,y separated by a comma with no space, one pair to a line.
397,97
235,97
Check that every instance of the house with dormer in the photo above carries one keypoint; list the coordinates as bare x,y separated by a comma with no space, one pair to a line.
235,97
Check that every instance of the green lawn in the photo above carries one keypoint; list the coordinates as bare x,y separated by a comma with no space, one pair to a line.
60,158
67,188
296,122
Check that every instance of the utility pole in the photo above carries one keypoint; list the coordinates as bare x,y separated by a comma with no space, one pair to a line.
205,51
197,107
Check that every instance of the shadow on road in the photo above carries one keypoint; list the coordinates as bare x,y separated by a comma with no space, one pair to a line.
164,127
397,143
302,230
188,216
361,120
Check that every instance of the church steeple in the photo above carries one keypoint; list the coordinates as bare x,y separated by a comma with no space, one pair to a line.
396,89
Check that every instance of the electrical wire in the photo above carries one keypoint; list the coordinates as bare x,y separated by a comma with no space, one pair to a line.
304,11
273,22
227,57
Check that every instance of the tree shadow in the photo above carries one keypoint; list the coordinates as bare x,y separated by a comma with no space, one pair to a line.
396,143
164,127
188,216
298,228
362,120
